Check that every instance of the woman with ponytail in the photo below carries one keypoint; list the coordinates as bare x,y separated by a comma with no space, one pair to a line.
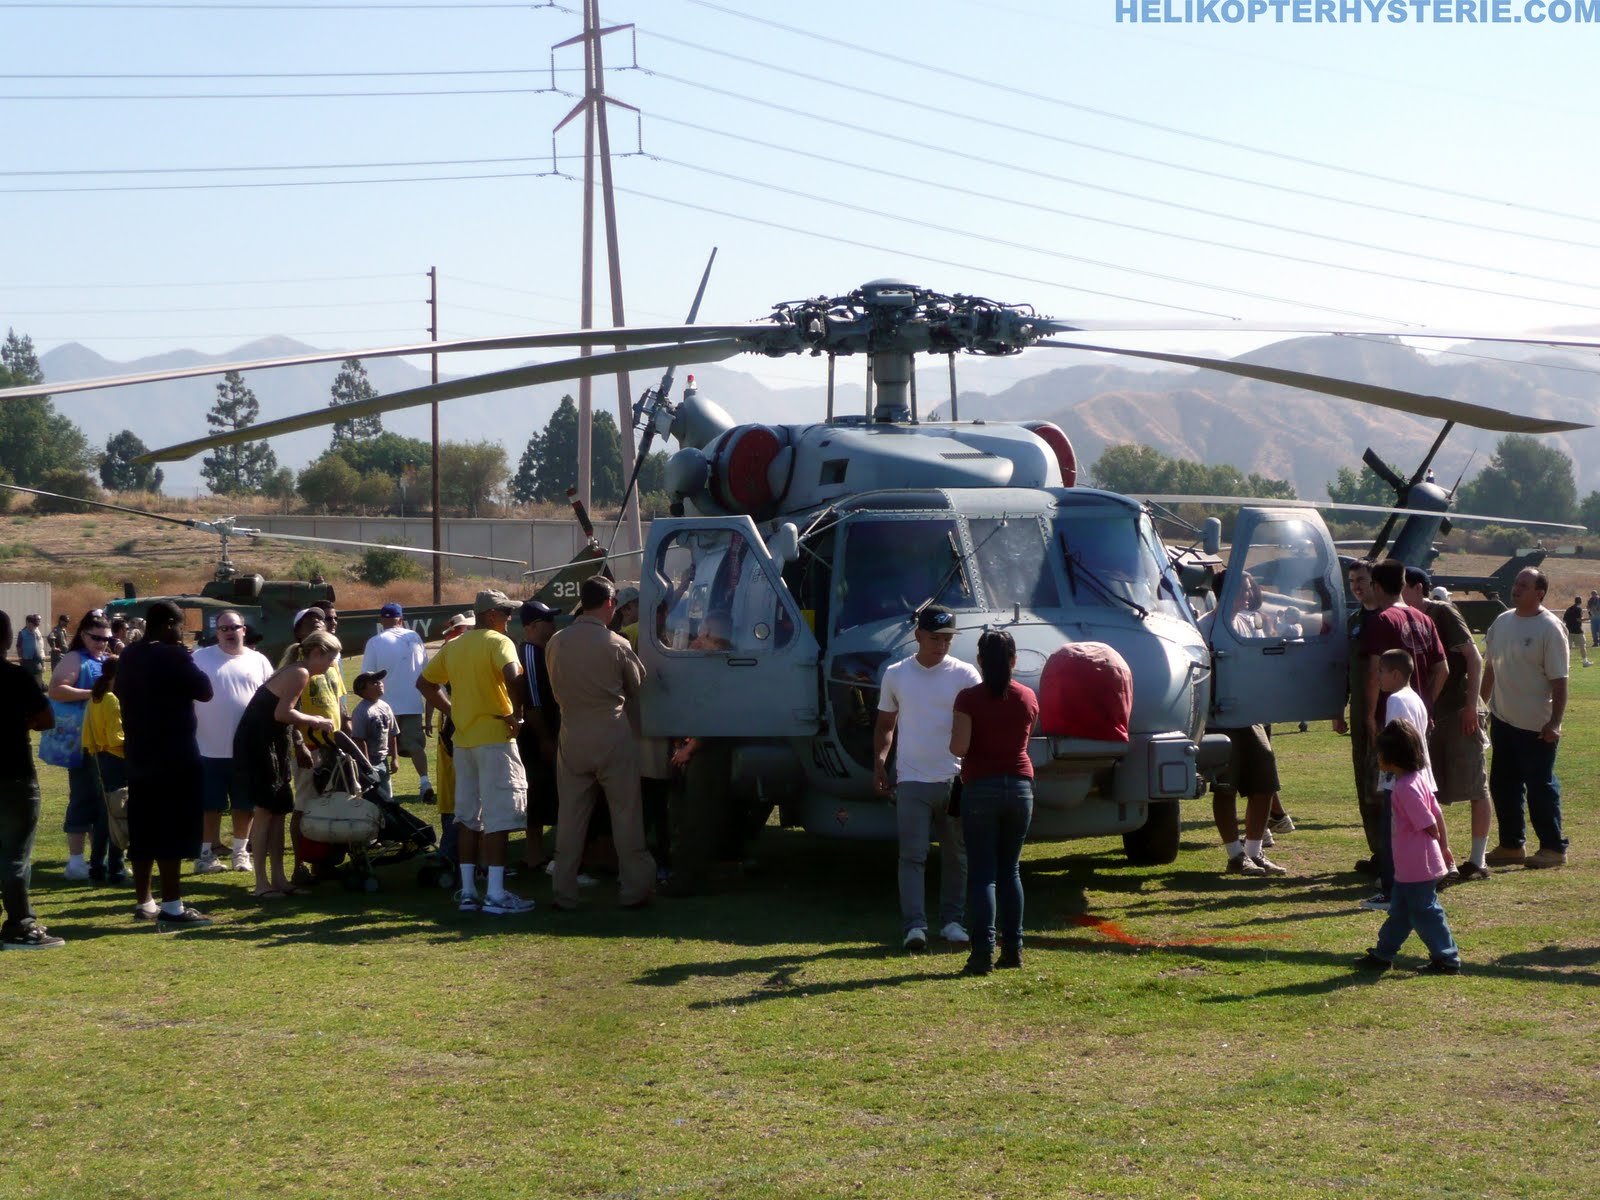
263,757
992,724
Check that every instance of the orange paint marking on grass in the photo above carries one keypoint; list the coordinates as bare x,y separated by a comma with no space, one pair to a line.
1121,936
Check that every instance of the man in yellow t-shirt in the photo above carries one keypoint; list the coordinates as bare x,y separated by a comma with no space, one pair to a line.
491,787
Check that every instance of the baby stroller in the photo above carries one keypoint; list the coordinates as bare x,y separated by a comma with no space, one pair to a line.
351,822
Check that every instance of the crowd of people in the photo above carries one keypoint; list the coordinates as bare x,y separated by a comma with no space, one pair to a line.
159,744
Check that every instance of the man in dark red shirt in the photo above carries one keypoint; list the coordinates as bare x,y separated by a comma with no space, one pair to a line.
1393,626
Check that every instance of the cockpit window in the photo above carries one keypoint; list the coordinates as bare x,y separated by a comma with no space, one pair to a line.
1117,554
1013,562
891,567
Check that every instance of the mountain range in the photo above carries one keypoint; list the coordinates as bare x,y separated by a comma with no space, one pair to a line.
1204,415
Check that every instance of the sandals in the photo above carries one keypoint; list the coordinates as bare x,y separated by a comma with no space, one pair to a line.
271,893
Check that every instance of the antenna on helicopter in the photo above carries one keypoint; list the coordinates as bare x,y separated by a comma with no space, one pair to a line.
651,407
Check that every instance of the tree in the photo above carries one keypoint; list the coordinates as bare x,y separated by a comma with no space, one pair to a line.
375,492
1525,478
1360,486
34,437
1589,512
1137,469
64,481
243,468
387,453
328,483
549,463
471,474
350,386
118,471
280,486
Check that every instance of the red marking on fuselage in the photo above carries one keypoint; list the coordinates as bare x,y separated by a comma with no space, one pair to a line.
1116,933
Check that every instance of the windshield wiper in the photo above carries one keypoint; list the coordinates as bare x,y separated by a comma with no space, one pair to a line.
1076,567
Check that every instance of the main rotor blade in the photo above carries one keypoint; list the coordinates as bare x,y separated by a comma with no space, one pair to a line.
1416,403
1050,325
300,537
1261,502
641,335
476,385
138,512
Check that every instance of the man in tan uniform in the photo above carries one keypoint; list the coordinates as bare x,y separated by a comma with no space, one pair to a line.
594,674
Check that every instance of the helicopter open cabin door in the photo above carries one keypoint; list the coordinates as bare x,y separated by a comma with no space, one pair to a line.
1278,642
728,652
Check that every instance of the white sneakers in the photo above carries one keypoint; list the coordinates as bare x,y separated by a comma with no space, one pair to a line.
209,864
506,904
917,939
77,871
955,934
242,860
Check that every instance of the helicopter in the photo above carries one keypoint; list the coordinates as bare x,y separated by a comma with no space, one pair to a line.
790,573
268,606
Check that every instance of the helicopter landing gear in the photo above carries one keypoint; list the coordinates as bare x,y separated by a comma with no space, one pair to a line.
1155,843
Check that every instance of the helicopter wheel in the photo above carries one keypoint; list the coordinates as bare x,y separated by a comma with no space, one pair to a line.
1155,843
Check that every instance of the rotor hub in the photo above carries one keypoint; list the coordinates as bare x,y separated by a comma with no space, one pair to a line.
892,316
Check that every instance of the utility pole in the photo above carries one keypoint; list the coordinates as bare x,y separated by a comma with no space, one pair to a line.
433,334
595,128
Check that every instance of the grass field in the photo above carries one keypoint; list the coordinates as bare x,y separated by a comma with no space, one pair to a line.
1175,1032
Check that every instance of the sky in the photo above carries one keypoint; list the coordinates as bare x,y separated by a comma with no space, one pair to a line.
297,168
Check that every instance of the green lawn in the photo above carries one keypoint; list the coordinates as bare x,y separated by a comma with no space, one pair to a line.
1175,1032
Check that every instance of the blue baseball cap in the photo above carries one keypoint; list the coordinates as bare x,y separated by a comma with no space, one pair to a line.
391,609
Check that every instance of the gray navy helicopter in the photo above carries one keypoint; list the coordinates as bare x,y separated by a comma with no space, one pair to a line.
789,575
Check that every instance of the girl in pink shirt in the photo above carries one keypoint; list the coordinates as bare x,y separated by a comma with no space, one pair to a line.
1420,852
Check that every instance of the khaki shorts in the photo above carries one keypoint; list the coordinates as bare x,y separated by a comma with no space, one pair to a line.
1252,768
411,739
1459,759
491,788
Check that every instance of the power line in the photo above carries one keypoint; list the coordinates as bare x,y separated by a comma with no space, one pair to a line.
1109,115
237,308
203,283
211,337
348,166
928,258
1024,246
55,5
211,96
1124,194
902,140
1187,238
201,187
309,74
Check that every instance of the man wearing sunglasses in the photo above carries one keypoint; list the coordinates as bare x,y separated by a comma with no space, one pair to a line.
236,672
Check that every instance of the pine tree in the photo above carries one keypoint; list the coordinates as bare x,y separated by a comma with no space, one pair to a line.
118,471
245,467
351,385
34,437
524,486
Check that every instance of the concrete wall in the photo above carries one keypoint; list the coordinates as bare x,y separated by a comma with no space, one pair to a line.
534,544
19,599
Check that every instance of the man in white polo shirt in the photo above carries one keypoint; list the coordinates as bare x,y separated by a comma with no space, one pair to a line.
915,708
400,652
235,672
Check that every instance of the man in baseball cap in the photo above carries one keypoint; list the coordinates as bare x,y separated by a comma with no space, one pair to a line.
399,652
916,707
489,601
392,609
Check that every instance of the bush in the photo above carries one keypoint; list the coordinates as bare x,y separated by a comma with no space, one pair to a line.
383,567
328,484
309,567
125,548
68,483
375,492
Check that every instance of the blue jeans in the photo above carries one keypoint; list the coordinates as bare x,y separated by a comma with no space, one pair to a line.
86,813
922,812
1414,907
1524,764
995,814
1383,840
19,821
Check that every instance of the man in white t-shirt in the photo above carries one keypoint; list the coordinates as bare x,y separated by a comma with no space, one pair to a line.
235,672
400,652
1525,683
915,709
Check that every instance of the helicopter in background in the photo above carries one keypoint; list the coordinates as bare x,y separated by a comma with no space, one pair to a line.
788,578
268,606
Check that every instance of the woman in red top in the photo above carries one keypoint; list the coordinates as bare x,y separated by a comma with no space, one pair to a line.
989,733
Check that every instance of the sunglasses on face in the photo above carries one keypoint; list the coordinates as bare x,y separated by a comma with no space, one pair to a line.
230,628
97,637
